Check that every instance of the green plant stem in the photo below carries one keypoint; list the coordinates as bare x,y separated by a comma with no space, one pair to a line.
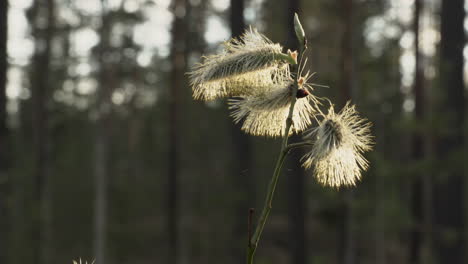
285,57
299,145
252,246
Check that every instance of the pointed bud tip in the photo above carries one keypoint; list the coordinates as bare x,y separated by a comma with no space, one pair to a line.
300,34
293,55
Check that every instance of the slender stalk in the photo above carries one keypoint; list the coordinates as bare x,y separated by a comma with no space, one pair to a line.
285,148
299,145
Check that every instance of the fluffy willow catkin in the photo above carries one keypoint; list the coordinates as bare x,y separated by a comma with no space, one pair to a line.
339,141
265,114
247,64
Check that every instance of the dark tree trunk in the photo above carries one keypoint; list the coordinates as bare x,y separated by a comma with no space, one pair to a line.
417,196
449,188
347,250
296,179
41,123
237,17
177,85
243,179
4,135
102,141
347,56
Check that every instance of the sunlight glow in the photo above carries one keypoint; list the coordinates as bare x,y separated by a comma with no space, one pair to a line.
220,5
401,10
407,64
162,3
144,58
114,4
252,12
407,40
118,97
154,32
131,6
68,16
377,31
83,69
429,38
20,46
88,7
408,105
14,76
83,40
216,31
21,4
86,86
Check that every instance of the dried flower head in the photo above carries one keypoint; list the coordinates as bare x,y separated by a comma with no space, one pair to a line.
265,114
247,64
339,142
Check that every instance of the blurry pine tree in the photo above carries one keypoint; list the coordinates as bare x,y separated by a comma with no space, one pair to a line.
5,150
177,84
243,189
449,185
41,90
296,180
102,136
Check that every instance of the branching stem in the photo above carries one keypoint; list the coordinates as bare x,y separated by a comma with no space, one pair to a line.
285,148
299,145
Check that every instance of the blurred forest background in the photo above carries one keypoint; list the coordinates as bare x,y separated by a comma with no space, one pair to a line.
104,155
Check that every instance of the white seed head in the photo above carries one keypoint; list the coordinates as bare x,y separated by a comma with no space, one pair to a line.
265,114
339,141
247,64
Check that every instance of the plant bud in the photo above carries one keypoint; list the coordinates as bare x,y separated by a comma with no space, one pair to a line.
300,34
301,93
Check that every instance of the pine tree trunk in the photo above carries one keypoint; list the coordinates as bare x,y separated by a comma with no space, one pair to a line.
243,178
177,85
417,205
449,188
347,245
101,143
41,91
296,178
4,136
101,192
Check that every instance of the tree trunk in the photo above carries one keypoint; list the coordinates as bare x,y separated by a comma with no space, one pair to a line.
101,193
417,204
101,144
243,178
449,188
347,245
177,85
4,136
296,179
42,142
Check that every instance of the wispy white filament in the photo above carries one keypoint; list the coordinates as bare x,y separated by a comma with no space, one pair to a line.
339,142
246,64
265,114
